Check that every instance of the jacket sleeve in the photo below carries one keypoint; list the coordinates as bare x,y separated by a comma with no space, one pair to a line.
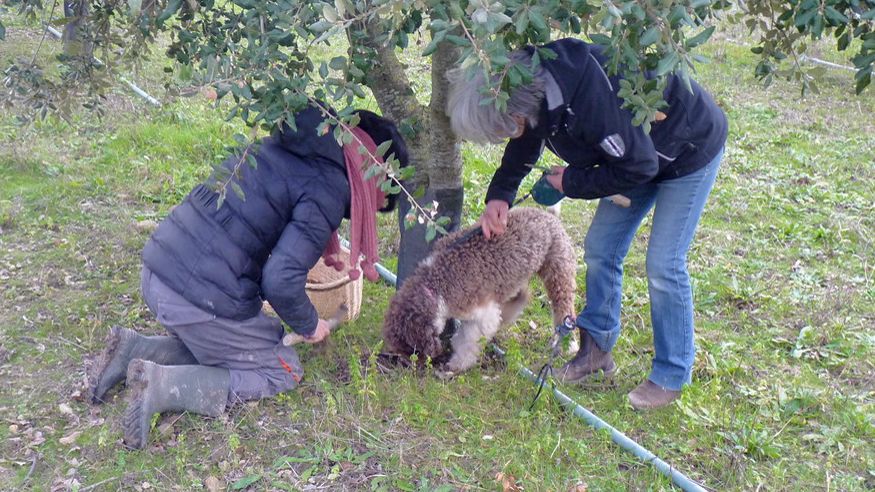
285,274
628,157
516,163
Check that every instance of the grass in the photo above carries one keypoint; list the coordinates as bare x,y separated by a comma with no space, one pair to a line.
782,396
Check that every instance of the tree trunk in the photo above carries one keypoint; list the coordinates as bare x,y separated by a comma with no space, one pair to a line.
433,148
73,44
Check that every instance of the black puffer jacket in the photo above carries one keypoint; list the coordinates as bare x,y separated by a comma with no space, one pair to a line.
226,260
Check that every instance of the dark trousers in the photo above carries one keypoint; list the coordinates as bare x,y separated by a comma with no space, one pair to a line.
260,365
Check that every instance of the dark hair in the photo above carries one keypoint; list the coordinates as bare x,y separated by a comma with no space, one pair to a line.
381,129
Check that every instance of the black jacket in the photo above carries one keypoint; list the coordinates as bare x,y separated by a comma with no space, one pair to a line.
583,123
226,260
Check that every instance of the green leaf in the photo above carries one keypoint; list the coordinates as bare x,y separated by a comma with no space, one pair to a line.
321,26
521,23
836,16
337,63
575,24
650,36
430,233
2,31
600,39
863,80
329,13
172,7
537,20
667,64
245,482
700,38
383,147
804,18
435,41
238,190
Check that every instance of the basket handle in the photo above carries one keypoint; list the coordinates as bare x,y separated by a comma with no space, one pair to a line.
330,285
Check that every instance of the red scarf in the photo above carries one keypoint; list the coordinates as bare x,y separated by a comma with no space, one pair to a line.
366,199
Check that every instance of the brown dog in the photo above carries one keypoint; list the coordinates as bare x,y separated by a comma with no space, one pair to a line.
484,284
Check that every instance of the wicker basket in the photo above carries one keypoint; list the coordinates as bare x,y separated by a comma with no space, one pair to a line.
328,288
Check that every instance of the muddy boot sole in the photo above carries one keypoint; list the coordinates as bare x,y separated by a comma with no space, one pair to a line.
99,382
137,420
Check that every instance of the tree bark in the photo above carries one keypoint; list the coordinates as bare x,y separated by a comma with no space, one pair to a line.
73,44
433,148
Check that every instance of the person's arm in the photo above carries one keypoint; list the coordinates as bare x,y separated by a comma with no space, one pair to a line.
520,154
628,157
285,274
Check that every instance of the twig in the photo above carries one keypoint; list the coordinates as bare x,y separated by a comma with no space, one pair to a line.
30,471
70,342
98,484
45,32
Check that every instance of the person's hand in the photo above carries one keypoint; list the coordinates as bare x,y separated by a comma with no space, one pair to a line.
555,177
323,329
494,218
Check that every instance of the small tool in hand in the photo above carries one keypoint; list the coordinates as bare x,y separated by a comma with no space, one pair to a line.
333,322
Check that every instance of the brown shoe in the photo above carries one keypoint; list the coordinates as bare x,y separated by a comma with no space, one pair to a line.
589,361
650,395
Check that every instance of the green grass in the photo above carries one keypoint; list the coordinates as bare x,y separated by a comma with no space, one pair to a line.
782,268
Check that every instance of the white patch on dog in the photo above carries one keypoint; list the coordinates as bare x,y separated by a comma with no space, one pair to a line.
427,262
481,325
440,315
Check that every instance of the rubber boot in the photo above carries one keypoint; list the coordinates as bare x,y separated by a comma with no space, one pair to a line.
123,345
589,361
154,389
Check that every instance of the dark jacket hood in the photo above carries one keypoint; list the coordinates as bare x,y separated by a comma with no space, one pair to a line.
303,140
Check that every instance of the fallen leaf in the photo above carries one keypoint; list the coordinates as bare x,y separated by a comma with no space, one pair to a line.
579,487
213,484
165,428
147,225
69,439
210,93
37,438
13,429
65,409
508,482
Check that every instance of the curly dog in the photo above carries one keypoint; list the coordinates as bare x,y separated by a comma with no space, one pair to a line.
483,283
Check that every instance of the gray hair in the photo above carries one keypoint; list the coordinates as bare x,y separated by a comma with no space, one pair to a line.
484,123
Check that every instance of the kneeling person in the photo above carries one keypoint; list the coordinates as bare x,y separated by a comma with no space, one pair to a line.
208,268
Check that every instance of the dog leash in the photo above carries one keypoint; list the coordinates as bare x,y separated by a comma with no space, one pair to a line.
561,331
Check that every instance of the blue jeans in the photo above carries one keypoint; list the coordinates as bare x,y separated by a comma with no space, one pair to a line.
678,205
